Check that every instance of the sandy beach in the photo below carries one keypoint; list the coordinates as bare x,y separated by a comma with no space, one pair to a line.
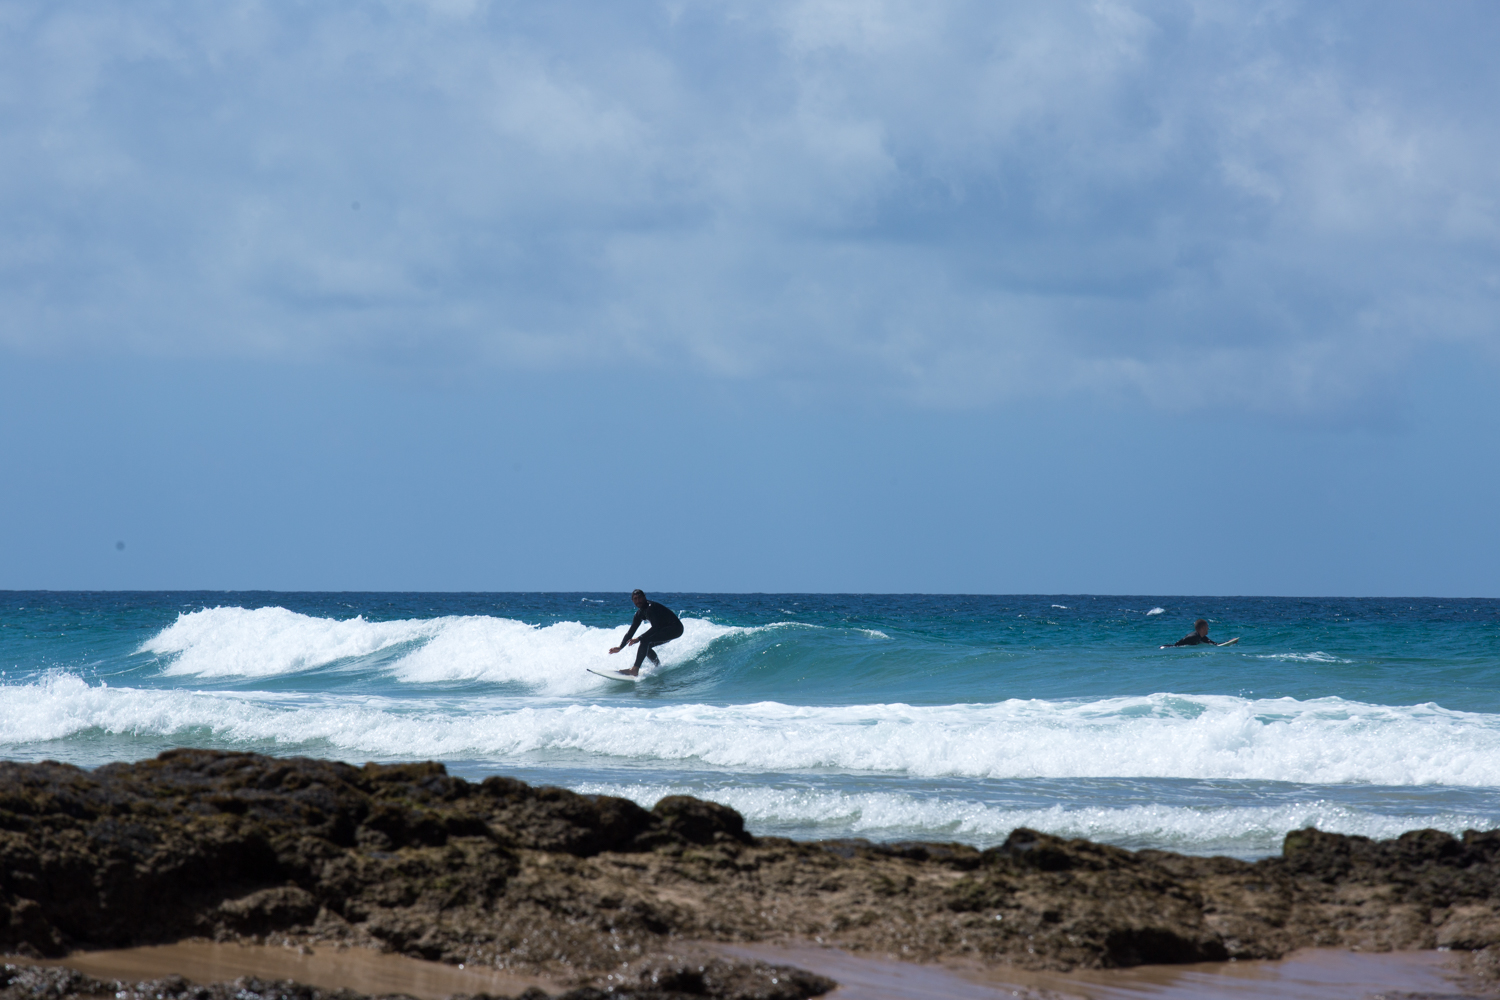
362,970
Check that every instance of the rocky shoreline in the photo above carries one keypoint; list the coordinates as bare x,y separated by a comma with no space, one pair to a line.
601,894
740,980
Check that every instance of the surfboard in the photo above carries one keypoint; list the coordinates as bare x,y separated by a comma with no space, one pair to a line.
1226,642
611,675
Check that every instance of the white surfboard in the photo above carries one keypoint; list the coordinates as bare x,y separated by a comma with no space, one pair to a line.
612,675
1230,642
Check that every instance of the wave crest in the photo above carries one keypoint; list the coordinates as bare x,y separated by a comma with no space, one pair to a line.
232,642
1324,741
881,815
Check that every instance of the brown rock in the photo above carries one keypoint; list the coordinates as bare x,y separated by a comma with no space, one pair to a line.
410,859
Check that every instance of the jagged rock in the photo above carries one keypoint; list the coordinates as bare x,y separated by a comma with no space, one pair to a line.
543,880
684,818
730,980
266,910
718,980
35,983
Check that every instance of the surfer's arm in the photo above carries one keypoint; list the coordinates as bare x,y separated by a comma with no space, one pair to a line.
635,624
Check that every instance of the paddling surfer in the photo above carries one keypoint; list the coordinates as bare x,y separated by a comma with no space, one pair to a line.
665,626
1197,636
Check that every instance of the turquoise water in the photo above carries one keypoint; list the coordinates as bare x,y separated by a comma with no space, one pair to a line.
888,717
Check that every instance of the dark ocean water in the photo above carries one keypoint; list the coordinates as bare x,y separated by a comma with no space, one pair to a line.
884,716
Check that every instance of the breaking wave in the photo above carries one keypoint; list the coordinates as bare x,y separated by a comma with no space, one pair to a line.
1321,741
235,642
1247,831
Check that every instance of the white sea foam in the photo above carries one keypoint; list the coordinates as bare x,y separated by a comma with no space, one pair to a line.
1314,657
1327,740
1157,611
550,658
874,633
265,642
899,816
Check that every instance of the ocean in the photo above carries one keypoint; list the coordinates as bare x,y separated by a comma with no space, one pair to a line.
888,717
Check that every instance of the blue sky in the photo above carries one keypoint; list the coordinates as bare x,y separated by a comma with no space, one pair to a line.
1097,297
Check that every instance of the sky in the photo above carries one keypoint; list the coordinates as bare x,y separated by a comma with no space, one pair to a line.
814,295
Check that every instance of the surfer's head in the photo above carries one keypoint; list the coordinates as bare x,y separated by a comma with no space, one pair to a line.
1201,626
639,597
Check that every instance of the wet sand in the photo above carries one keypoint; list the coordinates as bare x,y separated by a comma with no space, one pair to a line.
358,969
1314,974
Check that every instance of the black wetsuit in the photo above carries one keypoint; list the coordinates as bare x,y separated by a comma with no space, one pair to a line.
1194,639
665,627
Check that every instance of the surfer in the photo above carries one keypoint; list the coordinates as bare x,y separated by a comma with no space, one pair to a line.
665,627
1198,635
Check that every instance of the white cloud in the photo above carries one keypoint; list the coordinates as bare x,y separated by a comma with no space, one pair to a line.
1199,205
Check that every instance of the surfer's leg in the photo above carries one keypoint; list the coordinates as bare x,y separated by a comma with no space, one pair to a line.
661,640
643,650
648,644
